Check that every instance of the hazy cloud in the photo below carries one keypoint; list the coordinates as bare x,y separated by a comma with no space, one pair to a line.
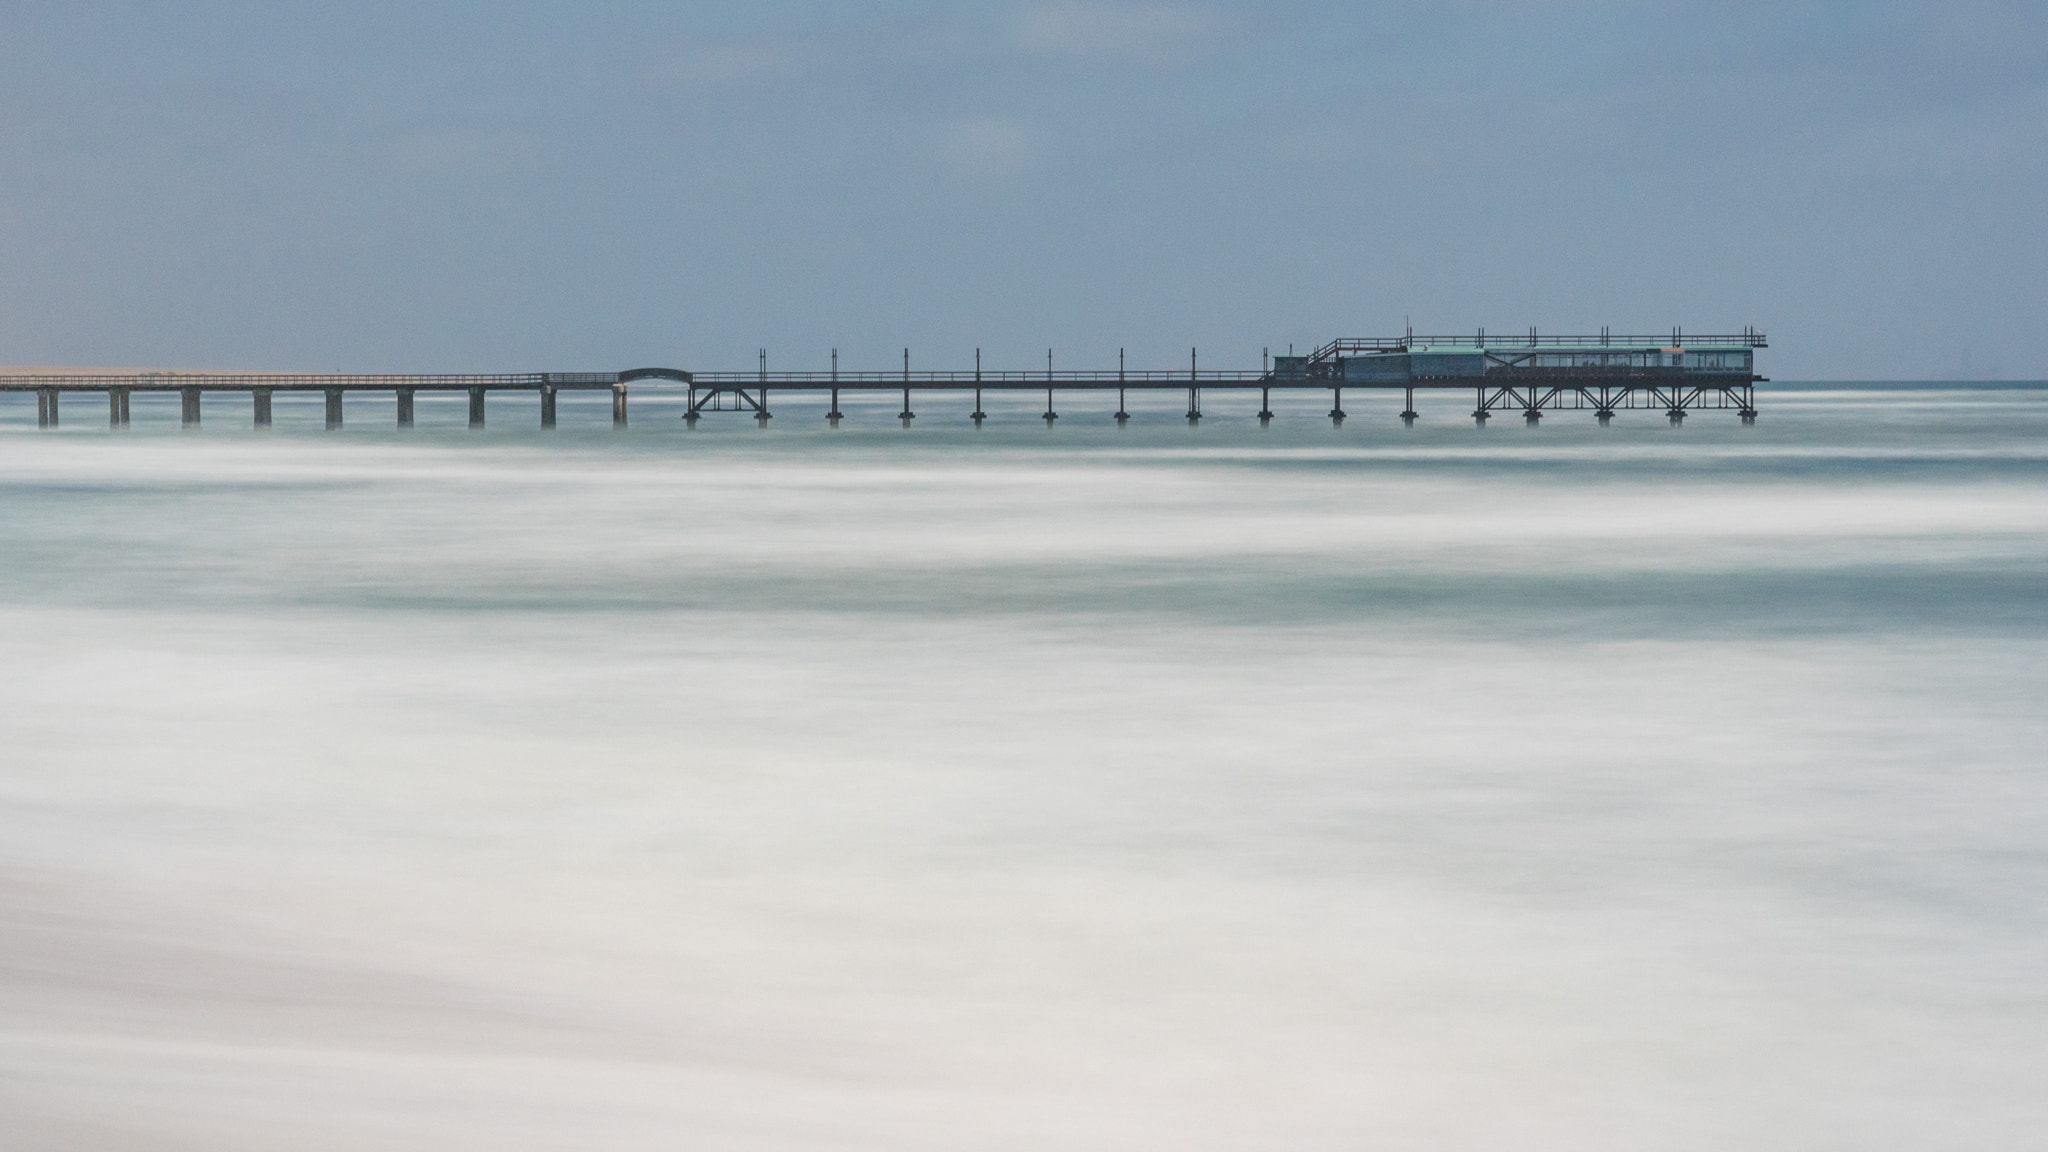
990,144
1150,32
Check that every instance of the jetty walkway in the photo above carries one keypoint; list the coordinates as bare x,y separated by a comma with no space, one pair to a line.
1527,374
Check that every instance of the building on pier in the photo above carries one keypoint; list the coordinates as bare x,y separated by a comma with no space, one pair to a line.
1455,360
1533,373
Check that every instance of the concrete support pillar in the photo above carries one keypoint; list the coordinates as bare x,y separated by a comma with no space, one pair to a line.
405,407
259,400
618,405
476,407
46,407
188,407
333,409
547,405
117,407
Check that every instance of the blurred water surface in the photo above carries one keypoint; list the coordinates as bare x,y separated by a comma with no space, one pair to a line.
1025,788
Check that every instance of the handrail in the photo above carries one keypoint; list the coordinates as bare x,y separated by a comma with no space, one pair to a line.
987,376
1677,338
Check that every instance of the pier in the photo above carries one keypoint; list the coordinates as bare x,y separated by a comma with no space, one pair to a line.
1528,374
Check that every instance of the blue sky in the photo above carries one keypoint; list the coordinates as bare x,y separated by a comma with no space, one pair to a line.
464,186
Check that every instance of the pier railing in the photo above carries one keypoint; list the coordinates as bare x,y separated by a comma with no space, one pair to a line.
970,378
1676,338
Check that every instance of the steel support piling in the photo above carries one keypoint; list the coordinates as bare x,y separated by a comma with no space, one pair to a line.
547,406
1122,410
334,408
405,407
619,405
117,407
259,408
188,407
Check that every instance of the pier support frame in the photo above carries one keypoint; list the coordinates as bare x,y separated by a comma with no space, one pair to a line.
46,407
117,407
259,407
476,407
405,407
1337,404
1266,405
188,407
547,405
333,409
1194,404
619,405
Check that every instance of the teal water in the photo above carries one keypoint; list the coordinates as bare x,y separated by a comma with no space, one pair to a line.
1083,787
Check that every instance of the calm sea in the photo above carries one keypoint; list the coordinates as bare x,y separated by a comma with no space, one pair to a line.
1053,789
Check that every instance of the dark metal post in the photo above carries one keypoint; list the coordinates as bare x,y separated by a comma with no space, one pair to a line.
979,415
117,407
1408,409
906,415
476,408
259,404
188,408
1337,404
334,409
1479,413
1265,403
1194,389
547,405
618,405
834,414
405,407
46,407
1050,415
